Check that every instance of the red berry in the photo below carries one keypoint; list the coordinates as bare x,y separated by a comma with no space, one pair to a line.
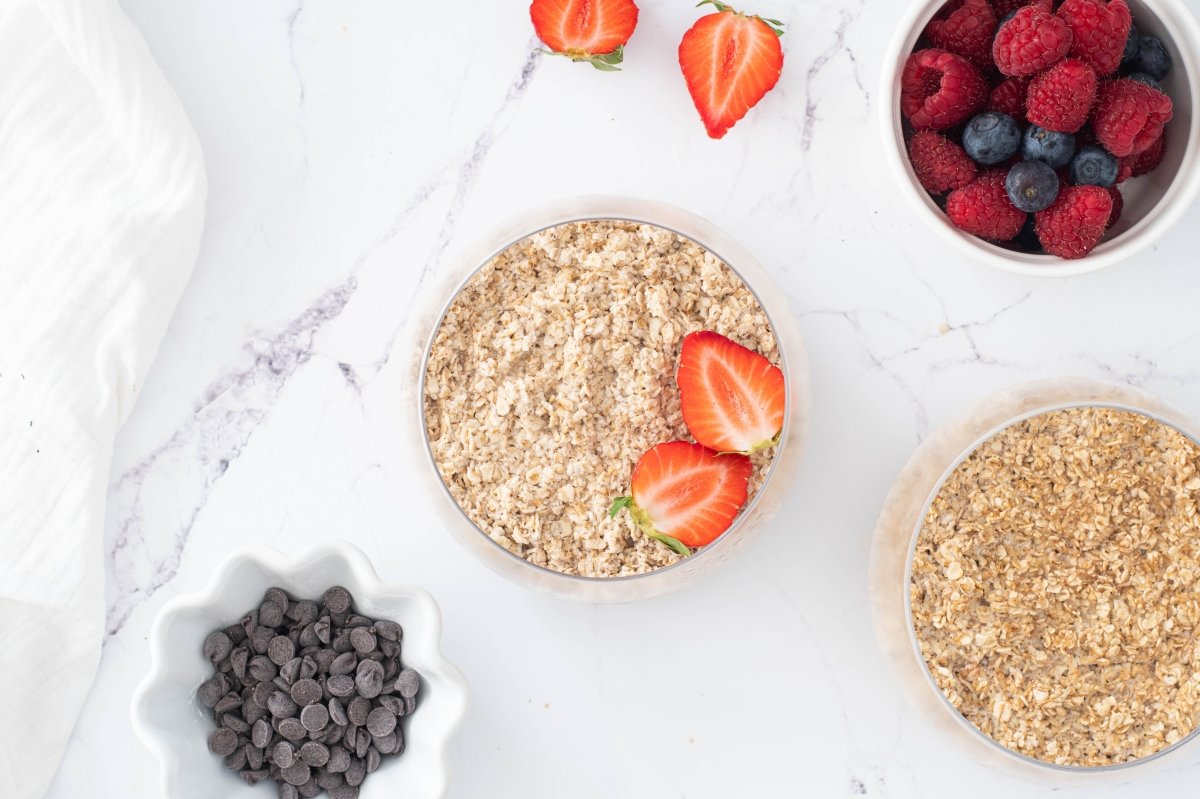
1075,221
940,164
1008,97
982,208
1118,206
1098,31
1031,41
1149,159
965,28
1125,168
1003,7
939,89
1060,98
1129,116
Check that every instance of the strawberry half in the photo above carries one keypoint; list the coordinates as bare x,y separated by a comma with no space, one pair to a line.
685,495
732,398
594,31
729,61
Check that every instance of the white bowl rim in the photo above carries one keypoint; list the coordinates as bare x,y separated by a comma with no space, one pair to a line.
276,559
1168,209
601,207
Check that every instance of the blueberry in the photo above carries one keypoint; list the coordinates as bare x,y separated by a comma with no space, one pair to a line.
1152,58
992,137
1050,146
1093,166
1031,185
1027,239
1142,77
1131,44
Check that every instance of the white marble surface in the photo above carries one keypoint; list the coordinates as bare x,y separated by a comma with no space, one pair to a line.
349,147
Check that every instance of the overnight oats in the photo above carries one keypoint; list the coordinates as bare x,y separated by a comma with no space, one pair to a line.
1055,587
553,374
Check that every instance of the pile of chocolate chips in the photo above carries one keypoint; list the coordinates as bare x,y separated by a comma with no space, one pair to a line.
307,694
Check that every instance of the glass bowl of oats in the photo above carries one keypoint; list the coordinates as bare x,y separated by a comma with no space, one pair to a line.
547,368
1035,580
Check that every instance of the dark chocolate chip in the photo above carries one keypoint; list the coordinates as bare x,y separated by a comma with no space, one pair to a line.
408,683
217,646
314,718
292,729
368,679
340,685
381,721
298,773
358,710
362,639
281,649
337,599
284,754
314,754
222,742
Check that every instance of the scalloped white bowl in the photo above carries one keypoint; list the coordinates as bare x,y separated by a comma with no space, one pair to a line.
173,725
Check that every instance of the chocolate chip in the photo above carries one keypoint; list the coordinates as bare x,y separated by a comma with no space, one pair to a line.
314,718
329,780
290,671
356,771
234,722
277,597
281,705
408,683
305,692
387,744
270,615
339,760
292,729
262,669
260,734
217,646
284,754
322,628
362,743
263,693
308,636
381,721
368,679
309,790
357,710
338,713
389,630
209,692
344,792
298,773
260,639
254,756
337,599
394,704
238,659
340,685
344,663
228,703
314,754
222,742
287,791
237,760
281,649
304,612
362,639
341,642
372,760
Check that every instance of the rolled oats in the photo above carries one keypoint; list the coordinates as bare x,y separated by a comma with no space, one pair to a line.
1055,589
553,371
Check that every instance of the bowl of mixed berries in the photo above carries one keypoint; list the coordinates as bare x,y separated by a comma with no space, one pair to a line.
1047,137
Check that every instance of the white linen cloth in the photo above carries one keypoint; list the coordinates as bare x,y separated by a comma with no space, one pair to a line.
102,194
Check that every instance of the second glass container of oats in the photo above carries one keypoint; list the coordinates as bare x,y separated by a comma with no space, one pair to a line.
1035,580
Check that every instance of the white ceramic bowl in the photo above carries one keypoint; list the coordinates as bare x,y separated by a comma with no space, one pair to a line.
894,544
175,727
753,517
1153,202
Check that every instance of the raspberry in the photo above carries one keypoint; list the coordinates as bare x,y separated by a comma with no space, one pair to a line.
1129,116
940,164
1118,205
1099,31
939,89
1075,222
1009,97
1031,41
1149,159
1125,168
1004,7
965,28
1060,98
982,208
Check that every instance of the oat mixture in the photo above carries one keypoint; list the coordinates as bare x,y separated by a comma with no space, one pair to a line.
554,371
1056,587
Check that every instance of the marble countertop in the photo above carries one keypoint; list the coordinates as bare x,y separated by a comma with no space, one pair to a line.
350,149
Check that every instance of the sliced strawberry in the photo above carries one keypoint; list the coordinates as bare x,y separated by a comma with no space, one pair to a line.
729,61
686,495
732,398
586,30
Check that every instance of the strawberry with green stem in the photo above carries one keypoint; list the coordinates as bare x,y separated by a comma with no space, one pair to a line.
730,60
684,494
594,31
